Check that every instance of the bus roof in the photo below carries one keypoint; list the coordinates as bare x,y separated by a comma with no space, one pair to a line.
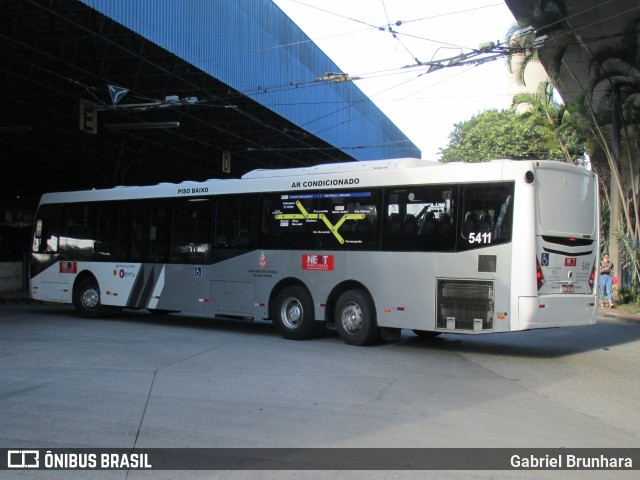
344,167
335,175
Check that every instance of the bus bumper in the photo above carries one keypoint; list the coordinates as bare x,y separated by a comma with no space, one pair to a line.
548,311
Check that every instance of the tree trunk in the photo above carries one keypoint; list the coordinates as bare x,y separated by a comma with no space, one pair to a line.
615,217
616,192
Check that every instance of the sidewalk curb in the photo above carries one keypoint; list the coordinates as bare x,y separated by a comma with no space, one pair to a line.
604,312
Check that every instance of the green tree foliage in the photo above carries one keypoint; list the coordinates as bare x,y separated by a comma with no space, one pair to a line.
607,114
506,133
557,126
615,72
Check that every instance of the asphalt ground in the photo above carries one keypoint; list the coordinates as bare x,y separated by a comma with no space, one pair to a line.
140,381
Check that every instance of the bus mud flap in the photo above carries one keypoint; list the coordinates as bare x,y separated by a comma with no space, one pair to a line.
389,334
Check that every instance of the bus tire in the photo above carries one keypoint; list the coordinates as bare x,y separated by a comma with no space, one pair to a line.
355,318
293,314
86,298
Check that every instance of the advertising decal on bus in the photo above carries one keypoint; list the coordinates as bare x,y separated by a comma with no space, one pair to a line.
317,262
68,267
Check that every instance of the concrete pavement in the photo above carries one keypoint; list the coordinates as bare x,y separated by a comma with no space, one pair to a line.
137,380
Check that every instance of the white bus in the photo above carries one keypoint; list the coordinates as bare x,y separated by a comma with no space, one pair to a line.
372,247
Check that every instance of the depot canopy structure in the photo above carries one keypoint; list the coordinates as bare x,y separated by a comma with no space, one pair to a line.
97,93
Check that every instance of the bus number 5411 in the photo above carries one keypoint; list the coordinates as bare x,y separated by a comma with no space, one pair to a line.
480,237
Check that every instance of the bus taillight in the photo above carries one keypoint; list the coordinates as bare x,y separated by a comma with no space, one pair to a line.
592,277
539,275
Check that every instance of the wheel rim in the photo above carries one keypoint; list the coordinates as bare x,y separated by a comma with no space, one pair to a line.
90,297
292,313
351,318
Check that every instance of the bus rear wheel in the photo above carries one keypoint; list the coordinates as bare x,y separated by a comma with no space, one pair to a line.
355,318
86,298
293,314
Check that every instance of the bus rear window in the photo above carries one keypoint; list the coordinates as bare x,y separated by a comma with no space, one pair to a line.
566,203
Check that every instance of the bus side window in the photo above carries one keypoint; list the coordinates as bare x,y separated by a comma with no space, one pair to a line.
487,215
151,231
236,222
350,220
159,231
46,235
395,211
191,227
420,218
283,222
504,220
113,236
78,239
137,232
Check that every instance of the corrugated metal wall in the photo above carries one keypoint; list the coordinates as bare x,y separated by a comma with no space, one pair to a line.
253,47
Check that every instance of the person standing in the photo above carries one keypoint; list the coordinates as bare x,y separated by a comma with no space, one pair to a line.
606,277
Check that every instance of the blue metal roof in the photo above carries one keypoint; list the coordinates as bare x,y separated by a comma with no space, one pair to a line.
253,47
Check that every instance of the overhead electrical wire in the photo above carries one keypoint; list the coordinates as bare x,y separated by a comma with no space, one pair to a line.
353,103
452,13
301,84
380,73
504,52
394,71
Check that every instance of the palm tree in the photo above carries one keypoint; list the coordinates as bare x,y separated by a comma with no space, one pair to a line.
615,70
553,122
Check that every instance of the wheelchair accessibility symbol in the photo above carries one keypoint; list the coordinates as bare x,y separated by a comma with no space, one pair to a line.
197,272
544,260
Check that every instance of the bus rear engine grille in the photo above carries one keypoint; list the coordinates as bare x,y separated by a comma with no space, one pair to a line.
465,305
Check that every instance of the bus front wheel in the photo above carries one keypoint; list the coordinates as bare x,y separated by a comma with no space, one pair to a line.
293,314
86,298
355,318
